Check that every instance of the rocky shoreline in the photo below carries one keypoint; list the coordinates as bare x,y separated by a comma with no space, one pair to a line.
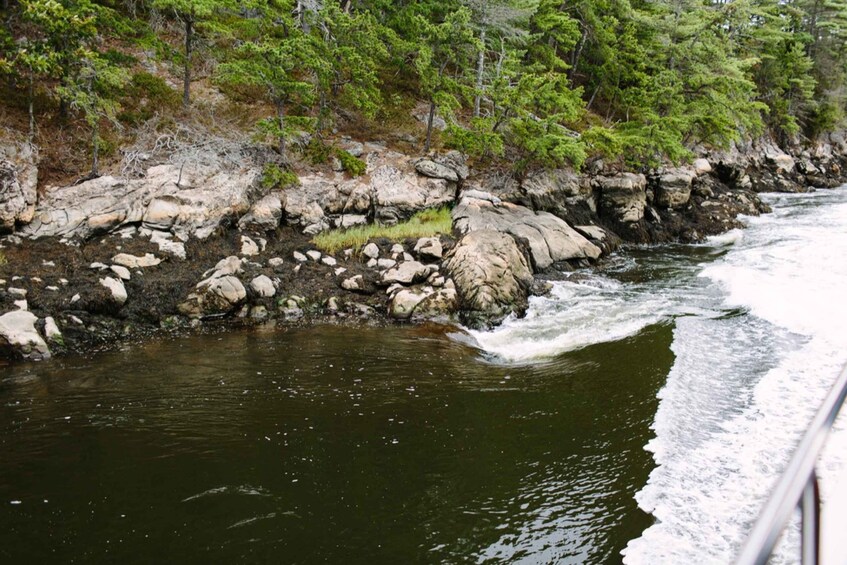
200,244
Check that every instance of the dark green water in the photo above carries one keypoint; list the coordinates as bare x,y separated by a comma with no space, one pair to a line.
327,445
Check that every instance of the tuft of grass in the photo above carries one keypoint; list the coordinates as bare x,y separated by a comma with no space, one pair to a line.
427,223
3,259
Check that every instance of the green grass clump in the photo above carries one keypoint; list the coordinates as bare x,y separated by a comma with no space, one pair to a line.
427,223
3,259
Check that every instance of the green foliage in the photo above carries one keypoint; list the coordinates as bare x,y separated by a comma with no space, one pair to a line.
3,259
427,223
480,140
353,165
273,176
318,152
145,96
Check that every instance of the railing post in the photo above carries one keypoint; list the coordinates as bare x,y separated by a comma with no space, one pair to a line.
810,528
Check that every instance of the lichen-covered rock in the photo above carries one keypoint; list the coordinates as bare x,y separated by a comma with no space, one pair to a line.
19,339
492,276
550,238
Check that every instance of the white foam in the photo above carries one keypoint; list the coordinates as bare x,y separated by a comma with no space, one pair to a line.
768,373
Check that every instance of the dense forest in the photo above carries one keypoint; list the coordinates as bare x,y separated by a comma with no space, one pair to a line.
526,82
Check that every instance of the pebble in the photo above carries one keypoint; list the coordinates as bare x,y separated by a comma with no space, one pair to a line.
275,262
300,257
329,261
314,255
21,292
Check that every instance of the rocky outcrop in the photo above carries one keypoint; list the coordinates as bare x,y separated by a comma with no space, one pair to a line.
204,198
560,192
622,197
673,187
550,239
392,189
492,277
18,181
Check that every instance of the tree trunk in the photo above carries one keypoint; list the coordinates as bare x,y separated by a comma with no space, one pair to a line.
280,116
31,109
186,77
95,153
429,126
480,68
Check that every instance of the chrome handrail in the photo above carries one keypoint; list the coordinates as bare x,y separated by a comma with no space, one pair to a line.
798,486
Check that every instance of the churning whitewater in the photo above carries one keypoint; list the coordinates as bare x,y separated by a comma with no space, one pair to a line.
760,322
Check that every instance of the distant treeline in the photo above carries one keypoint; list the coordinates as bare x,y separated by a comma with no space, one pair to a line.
542,82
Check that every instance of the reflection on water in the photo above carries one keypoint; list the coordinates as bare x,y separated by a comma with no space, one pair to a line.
393,445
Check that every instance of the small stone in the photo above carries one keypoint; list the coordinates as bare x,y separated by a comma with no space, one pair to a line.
408,272
354,283
398,249
437,281
332,304
340,271
371,251
263,286
404,303
75,298
51,330
98,266
36,279
259,312
348,253
329,261
21,305
248,247
386,263
275,262
297,268
372,263
63,282
135,262
53,288
429,248
300,257
121,271
48,264
75,320
20,292
314,255
394,288
116,287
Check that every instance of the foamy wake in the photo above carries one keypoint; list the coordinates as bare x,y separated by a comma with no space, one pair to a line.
742,390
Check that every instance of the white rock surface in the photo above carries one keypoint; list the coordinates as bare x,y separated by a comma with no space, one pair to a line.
18,333
135,262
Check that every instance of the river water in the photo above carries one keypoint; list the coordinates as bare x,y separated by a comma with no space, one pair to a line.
639,412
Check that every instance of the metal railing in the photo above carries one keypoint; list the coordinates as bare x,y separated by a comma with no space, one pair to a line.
797,487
